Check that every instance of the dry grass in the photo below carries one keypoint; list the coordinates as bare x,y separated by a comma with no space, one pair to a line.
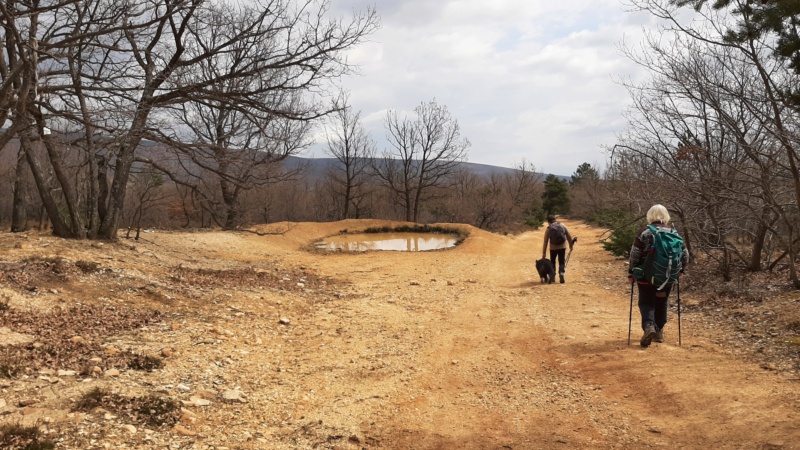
21,437
151,410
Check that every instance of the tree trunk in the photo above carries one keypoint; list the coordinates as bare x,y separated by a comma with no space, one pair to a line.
792,264
122,171
102,188
42,218
409,210
230,196
347,199
416,203
232,217
92,201
60,228
137,217
67,189
758,248
19,216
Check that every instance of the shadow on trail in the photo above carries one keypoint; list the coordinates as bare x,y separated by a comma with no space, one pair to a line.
498,435
534,283
527,284
597,347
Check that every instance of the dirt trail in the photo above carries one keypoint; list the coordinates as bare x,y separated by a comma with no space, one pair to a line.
461,348
498,359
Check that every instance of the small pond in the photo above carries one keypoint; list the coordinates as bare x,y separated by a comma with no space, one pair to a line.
402,242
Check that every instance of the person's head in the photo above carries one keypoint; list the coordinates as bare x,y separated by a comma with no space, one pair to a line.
658,213
550,219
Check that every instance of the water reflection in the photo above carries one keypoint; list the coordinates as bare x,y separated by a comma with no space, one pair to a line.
403,242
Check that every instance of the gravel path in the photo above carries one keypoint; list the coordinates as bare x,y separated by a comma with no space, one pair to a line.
268,344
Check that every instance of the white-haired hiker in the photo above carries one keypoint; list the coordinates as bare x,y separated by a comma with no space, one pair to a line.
653,300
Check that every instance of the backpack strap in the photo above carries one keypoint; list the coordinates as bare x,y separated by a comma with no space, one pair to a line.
652,241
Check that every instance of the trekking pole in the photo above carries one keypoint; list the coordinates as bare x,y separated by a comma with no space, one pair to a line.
679,314
574,240
630,317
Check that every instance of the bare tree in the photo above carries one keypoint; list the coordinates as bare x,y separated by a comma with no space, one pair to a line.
508,198
588,194
500,200
525,187
115,69
354,149
464,183
145,188
488,204
711,133
220,152
424,153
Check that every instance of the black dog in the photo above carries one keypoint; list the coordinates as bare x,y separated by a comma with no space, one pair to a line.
546,270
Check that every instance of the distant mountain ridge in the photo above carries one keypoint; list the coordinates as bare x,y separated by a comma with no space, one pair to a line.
318,166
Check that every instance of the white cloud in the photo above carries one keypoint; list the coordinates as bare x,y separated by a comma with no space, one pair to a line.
528,79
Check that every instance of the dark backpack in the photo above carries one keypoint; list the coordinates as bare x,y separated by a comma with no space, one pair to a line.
663,262
557,234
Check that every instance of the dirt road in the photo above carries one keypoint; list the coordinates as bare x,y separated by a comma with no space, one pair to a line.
452,349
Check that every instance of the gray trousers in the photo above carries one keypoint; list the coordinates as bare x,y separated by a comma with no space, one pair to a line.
653,304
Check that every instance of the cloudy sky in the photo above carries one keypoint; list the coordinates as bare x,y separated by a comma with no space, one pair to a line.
526,79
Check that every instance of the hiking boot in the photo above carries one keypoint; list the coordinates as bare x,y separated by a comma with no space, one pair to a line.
649,335
561,278
659,335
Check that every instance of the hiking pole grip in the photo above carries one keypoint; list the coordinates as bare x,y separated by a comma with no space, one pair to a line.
678,285
630,317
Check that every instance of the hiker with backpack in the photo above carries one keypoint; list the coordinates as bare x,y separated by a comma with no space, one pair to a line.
657,260
558,237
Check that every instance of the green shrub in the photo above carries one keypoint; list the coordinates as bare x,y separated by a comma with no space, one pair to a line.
620,241
535,218
610,217
623,228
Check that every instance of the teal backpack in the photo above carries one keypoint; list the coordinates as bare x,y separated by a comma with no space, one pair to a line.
663,262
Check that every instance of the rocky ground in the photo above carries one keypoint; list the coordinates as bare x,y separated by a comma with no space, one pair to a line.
213,340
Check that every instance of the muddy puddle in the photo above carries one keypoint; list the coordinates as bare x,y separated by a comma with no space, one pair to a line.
401,242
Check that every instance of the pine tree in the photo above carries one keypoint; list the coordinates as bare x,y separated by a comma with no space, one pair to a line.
555,199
